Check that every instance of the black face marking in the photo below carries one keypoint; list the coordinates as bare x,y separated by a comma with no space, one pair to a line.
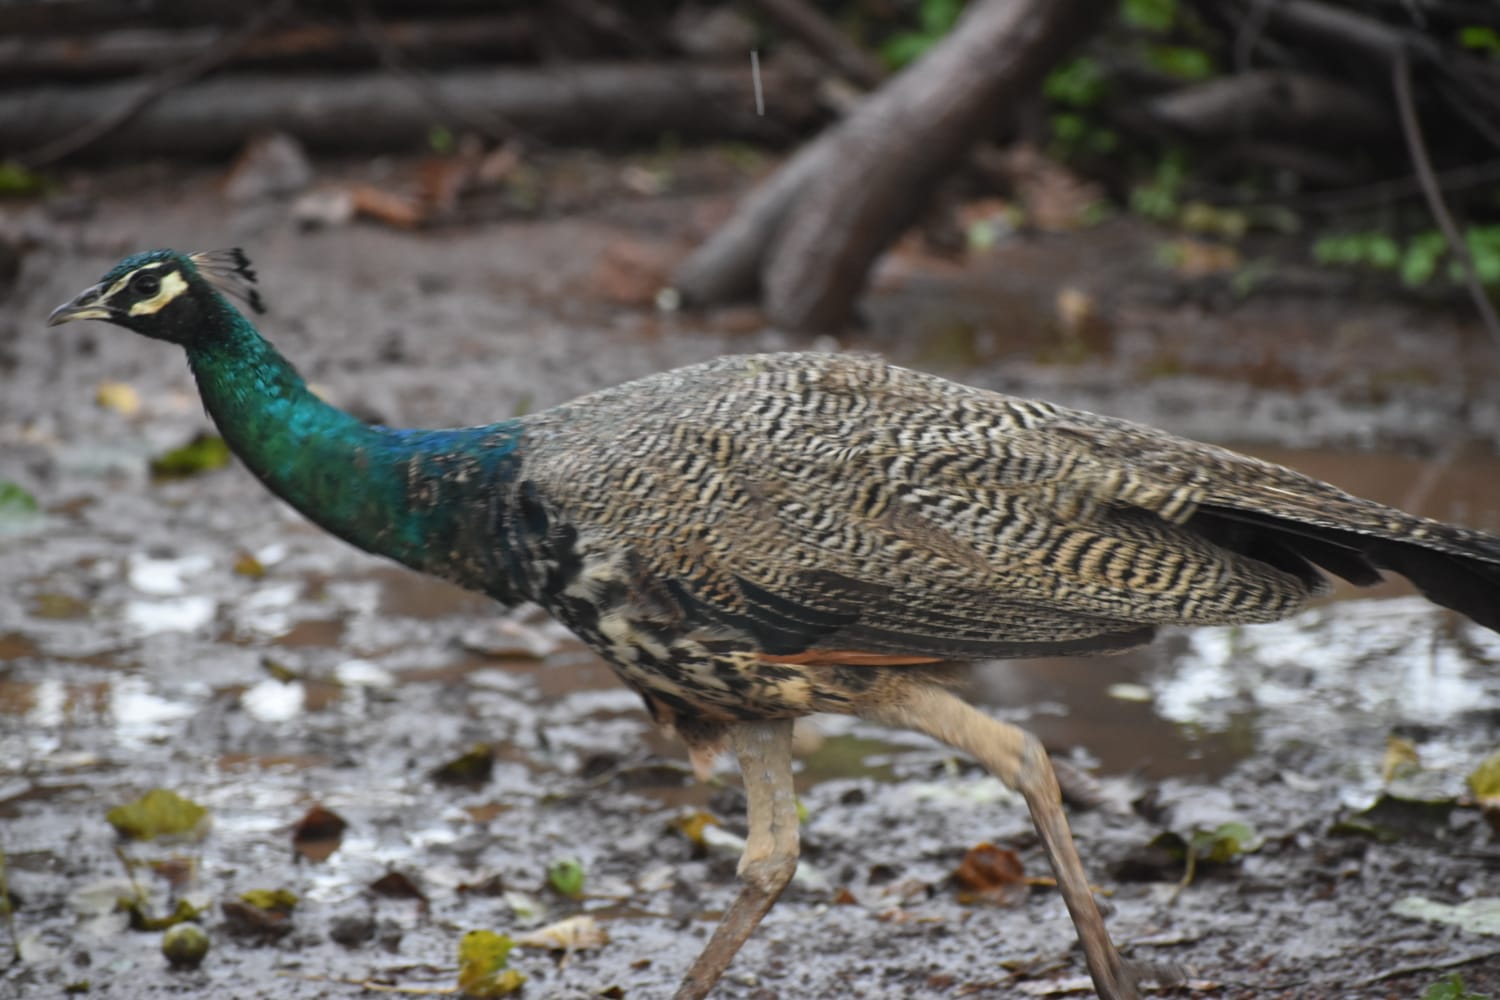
145,283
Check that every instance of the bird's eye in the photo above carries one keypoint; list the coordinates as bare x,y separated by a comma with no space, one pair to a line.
146,284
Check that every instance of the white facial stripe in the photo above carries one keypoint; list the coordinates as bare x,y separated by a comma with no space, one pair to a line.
122,282
172,286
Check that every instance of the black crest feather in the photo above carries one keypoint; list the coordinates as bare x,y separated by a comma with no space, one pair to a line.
230,272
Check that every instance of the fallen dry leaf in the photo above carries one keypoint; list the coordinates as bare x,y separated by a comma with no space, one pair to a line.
318,834
991,875
572,934
118,396
386,206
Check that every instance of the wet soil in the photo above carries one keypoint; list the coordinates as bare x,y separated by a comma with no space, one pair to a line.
136,651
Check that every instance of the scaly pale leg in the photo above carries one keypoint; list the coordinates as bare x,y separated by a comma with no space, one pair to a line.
764,750
1017,758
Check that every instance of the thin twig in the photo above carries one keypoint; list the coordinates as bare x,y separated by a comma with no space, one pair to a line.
1478,119
374,986
1416,967
1252,29
1456,179
826,39
1411,128
1432,473
168,80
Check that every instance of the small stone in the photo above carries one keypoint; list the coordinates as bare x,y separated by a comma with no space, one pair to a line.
352,929
185,945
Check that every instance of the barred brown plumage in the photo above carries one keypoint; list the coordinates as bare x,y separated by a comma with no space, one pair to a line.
758,538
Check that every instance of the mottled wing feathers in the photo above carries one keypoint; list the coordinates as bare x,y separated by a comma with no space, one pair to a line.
1279,516
808,501
818,502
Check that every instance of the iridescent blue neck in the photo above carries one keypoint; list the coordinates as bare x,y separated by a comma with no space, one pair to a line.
411,495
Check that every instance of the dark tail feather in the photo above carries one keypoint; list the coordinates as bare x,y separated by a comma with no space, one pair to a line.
1468,583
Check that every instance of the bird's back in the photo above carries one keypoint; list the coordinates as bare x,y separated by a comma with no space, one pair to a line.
813,501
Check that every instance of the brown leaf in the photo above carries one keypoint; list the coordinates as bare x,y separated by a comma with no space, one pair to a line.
252,921
632,272
991,875
318,834
471,768
397,885
386,206
490,885
572,934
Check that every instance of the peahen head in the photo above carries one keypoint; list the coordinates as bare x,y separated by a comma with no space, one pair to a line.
168,295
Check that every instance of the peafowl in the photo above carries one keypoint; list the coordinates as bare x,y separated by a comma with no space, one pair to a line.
758,538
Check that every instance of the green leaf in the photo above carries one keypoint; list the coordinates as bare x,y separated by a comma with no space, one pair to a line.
142,920
1180,61
17,181
1068,127
1451,988
481,965
1479,36
203,453
158,813
939,16
901,50
1383,252
1398,812
1153,15
440,140
1484,780
18,509
280,900
1078,83
1225,843
472,768
1419,263
1480,915
566,876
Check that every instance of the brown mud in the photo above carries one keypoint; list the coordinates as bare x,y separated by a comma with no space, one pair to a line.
136,652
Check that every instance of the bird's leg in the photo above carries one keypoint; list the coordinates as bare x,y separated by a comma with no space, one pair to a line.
1017,758
764,750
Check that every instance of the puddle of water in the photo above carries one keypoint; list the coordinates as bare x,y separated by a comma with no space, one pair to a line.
165,577
847,756
140,713
172,614
1459,489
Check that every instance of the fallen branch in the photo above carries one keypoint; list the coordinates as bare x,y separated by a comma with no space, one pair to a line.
56,58
93,130
891,152
824,37
1271,104
1344,28
376,111
876,166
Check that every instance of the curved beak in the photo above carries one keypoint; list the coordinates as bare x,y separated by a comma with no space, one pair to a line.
85,306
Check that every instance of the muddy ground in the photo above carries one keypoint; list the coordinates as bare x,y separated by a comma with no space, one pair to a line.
139,648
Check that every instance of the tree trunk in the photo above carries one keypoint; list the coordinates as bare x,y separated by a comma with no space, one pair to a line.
887,157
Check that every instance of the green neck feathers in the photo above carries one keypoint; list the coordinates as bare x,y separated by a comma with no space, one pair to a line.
409,495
